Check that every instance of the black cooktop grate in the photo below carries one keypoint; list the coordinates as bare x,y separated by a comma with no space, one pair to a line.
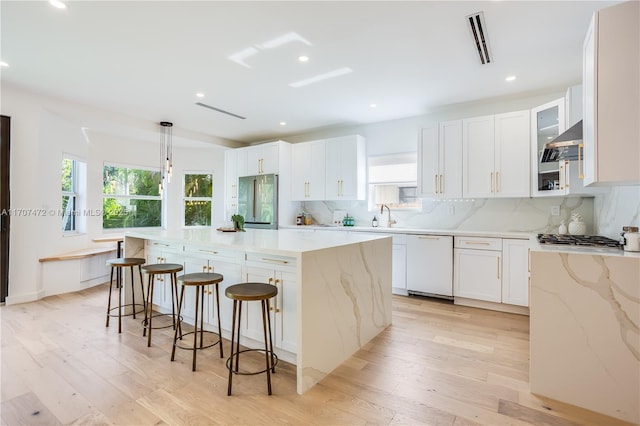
578,240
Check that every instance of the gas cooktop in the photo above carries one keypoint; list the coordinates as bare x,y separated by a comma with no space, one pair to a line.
578,240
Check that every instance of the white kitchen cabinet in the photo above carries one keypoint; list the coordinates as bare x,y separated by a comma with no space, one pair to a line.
263,159
345,172
162,252
496,156
308,171
512,163
231,181
515,271
399,264
221,261
478,168
440,156
547,122
279,271
478,268
611,96
430,265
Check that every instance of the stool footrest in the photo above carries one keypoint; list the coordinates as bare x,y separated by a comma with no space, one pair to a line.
252,373
127,314
190,348
156,327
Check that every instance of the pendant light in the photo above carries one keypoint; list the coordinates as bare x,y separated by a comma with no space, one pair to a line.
166,154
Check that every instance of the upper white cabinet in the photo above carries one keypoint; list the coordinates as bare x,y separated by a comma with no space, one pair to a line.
308,171
440,157
263,159
547,122
496,156
231,182
345,171
611,96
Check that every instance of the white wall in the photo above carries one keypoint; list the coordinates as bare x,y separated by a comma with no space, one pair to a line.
44,128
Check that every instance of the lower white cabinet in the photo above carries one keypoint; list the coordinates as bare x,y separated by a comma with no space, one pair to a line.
515,272
279,271
492,270
399,263
161,252
430,264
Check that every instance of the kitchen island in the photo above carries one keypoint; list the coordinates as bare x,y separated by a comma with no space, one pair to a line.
334,288
585,328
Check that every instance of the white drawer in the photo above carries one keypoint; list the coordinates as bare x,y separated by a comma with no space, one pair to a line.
212,253
276,262
164,246
478,243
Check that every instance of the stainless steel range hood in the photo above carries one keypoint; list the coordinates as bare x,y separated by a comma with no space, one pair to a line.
565,146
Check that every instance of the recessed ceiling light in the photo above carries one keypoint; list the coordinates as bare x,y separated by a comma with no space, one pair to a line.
57,4
303,58
510,78
3,64
283,123
373,105
200,95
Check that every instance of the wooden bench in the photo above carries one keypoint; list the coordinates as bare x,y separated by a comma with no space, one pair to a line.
78,254
75,270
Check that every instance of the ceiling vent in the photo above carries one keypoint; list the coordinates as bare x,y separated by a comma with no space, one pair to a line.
220,110
480,36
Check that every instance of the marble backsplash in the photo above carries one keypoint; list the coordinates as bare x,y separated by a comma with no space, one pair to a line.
618,207
509,215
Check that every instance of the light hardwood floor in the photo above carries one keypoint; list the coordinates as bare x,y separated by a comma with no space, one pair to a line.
438,364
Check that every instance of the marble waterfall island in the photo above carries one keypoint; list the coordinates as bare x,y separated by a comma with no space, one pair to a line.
334,288
585,329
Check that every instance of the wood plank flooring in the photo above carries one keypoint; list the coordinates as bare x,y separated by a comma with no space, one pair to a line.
438,364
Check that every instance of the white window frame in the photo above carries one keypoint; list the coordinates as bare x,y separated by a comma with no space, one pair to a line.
159,197
77,196
387,184
185,198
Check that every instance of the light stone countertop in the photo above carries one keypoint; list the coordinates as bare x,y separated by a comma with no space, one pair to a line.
286,242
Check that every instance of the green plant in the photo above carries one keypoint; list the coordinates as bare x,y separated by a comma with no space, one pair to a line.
238,222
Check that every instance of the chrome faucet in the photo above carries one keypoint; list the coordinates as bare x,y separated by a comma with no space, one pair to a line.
389,220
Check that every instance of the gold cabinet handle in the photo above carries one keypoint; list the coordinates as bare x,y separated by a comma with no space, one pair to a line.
580,165
498,268
566,177
477,243
435,178
160,244
204,268
491,181
442,184
208,251
284,262
497,181
428,238
270,280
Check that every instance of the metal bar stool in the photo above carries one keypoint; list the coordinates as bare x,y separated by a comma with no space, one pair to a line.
198,280
117,265
248,292
159,269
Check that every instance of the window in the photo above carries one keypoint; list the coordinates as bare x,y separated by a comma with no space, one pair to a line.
73,185
197,199
393,181
131,197
69,194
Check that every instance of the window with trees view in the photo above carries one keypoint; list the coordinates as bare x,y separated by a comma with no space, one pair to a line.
69,194
131,197
197,199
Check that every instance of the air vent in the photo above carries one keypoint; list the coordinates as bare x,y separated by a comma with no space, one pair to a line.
480,36
221,110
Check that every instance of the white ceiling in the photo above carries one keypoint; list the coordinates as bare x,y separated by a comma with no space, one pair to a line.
148,59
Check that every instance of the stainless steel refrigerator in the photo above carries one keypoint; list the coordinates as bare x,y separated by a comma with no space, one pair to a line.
258,201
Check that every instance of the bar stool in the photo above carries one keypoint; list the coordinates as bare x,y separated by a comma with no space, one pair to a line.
152,271
199,280
249,292
117,265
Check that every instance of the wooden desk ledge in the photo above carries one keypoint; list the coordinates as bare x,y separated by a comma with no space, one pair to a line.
79,254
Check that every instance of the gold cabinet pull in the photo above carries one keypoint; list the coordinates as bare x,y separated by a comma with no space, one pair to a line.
270,280
498,268
580,165
208,251
491,181
497,181
284,262
477,243
160,244
204,268
442,184
428,238
436,182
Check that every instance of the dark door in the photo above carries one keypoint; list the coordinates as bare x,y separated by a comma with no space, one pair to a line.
5,136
